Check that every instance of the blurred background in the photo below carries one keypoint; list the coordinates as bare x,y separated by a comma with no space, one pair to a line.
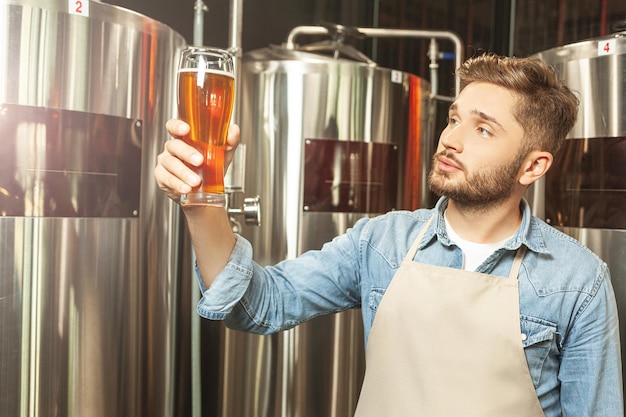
508,27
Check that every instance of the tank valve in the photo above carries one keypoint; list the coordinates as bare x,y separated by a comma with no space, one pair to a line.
250,209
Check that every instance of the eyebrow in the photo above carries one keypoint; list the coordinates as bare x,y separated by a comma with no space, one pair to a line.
482,115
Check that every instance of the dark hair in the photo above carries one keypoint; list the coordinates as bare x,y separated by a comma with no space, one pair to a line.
546,108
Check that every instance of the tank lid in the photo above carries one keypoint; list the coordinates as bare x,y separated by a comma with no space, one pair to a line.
585,48
332,49
322,52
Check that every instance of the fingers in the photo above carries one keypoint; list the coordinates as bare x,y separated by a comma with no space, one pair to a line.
232,141
177,128
173,172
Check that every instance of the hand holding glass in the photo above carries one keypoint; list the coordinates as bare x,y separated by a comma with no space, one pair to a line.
206,91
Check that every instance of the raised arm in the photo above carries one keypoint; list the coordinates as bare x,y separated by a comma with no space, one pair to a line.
209,227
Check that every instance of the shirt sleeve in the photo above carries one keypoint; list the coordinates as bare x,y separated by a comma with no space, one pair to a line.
591,370
229,285
268,299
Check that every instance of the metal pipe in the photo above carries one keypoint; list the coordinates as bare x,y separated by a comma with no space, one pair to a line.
512,27
234,43
232,181
303,30
199,8
389,33
433,54
409,33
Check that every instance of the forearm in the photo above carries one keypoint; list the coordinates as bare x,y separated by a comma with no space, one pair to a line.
212,238
268,299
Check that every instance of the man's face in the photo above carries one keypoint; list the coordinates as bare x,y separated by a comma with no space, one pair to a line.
480,151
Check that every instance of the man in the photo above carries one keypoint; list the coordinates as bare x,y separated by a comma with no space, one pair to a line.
473,308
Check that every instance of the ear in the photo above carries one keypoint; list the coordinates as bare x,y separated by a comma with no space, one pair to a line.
536,164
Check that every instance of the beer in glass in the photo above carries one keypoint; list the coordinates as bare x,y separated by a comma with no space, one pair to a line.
206,93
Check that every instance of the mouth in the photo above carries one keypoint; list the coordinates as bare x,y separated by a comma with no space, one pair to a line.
447,164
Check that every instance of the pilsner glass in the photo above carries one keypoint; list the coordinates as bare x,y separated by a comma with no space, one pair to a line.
206,91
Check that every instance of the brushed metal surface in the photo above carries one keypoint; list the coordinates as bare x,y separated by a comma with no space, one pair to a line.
71,338
597,78
289,98
89,305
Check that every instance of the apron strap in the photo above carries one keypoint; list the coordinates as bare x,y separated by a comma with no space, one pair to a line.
517,262
413,250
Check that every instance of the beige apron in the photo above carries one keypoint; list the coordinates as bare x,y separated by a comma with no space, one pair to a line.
446,343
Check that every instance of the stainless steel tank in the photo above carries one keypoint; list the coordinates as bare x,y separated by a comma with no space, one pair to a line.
584,194
89,295
328,140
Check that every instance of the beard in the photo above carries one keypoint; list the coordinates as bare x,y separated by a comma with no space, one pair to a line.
476,190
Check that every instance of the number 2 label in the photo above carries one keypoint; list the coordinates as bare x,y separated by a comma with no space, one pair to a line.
79,7
606,47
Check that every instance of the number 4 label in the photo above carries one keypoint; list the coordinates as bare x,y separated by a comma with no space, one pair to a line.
606,47
79,7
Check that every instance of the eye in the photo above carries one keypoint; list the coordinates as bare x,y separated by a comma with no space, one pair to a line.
484,132
452,121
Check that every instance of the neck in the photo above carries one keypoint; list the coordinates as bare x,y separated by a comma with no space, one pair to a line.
485,224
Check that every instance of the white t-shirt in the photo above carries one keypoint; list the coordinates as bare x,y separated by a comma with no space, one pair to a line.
474,254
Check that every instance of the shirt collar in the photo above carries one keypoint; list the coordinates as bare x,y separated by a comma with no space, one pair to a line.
528,234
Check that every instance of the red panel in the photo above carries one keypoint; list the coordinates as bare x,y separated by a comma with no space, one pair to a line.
341,176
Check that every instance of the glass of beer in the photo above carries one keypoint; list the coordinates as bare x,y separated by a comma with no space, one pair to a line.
206,91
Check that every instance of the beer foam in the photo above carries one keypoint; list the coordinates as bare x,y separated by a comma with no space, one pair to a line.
207,71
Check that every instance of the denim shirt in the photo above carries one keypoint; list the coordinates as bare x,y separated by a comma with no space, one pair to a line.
568,315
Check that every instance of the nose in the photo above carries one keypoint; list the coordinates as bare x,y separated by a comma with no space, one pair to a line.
451,138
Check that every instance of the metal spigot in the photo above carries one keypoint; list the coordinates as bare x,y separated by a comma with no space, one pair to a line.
250,209
234,187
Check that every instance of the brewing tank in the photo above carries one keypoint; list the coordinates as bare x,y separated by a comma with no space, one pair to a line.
584,193
328,140
89,288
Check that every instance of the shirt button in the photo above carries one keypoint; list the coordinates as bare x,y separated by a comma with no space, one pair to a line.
524,337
